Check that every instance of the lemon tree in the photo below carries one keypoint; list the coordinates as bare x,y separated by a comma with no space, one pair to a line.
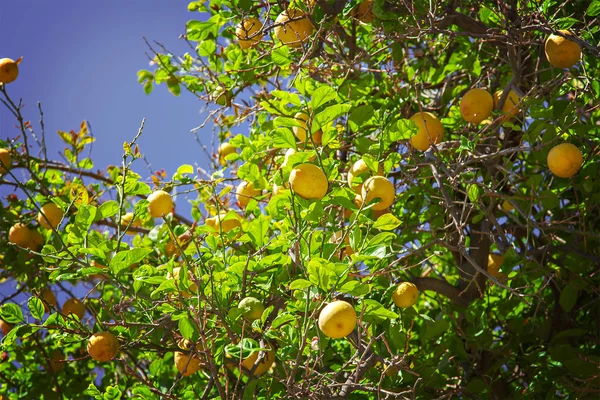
408,208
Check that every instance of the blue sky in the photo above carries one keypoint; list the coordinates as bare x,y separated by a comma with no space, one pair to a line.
80,60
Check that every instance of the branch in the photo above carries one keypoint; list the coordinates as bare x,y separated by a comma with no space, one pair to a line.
441,287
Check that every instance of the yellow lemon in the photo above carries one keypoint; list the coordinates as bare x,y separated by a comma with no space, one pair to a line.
53,215
246,191
308,181
127,218
279,189
293,33
494,263
56,361
249,32
187,364
9,70
562,52
6,159
218,223
262,367
564,160
224,150
361,169
337,319
364,12
74,306
476,105
49,299
510,109
300,131
405,295
5,327
378,187
20,234
430,131
336,238
187,293
252,308
161,203
103,346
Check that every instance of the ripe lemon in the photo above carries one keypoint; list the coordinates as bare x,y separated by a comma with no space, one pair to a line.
361,169
56,360
405,295
224,150
494,262
252,308
364,12
564,160
262,367
249,32
126,219
187,293
161,203
279,189
293,33
510,109
308,181
336,238
337,319
187,364
5,327
300,131
430,131
74,306
6,159
49,299
103,346
20,234
246,191
218,223
53,215
562,52
9,70
37,240
476,105
379,187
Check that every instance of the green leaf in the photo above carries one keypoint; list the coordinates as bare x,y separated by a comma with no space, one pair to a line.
474,191
106,210
127,258
283,138
549,199
593,9
387,222
328,115
258,230
93,391
174,87
36,308
281,56
287,96
568,296
320,273
300,284
112,393
11,313
375,312
322,95
355,288
85,217
188,329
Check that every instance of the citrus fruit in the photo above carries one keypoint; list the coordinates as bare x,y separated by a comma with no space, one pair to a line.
5,327
187,364
20,234
337,319
9,70
293,33
364,11
74,306
308,181
262,367
360,169
336,238
405,295
249,32
49,299
564,160
161,203
476,105
6,159
53,215
562,52
494,262
220,224
56,360
510,109
300,131
127,219
246,191
103,346
379,187
430,131
224,150
252,308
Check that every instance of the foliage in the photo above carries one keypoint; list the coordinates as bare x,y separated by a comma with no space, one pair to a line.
530,331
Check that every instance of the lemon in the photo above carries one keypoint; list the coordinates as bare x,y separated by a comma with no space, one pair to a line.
56,361
224,150
103,346
476,105
5,327
53,215
246,191
337,319
6,159
249,32
360,168
161,203
300,131
308,181
510,109
252,308
564,160
20,234
379,187
74,306
262,367
405,295
49,299
293,33
336,238
127,218
218,222
187,364
9,70
430,131
364,11
494,263
562,52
